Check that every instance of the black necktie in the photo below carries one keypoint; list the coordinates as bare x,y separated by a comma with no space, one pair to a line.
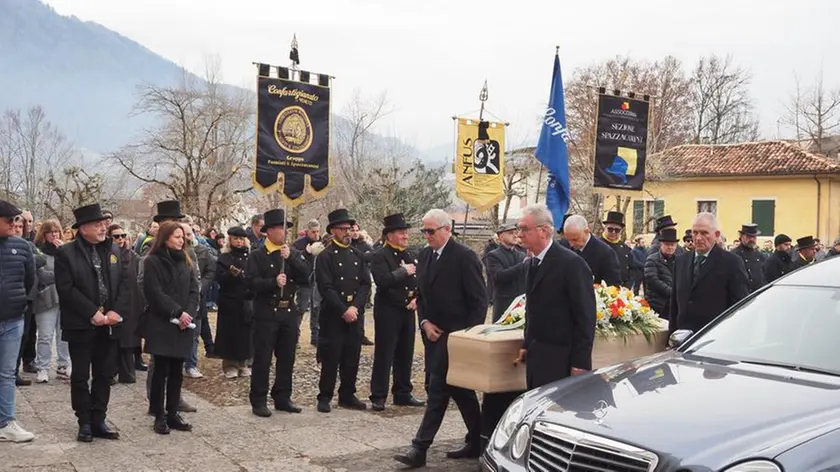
699,260
534,263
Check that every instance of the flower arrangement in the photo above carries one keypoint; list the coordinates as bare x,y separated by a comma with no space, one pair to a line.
620,313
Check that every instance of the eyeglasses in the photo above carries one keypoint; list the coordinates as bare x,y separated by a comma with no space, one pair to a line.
613,230
14,219
431,231
118,236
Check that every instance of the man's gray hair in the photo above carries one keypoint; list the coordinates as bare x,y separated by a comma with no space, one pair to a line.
707,217
440,217
540,214
313,224
575,223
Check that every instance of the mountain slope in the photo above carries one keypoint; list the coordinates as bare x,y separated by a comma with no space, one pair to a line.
83,74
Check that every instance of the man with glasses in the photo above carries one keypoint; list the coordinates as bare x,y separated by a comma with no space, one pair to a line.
452,297
92,286
503,273
613,227
18,267
343,279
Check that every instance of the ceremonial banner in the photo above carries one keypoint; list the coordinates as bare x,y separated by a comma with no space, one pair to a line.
621,143
479,165
293,135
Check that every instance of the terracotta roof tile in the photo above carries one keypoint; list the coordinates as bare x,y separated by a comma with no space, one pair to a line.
755,158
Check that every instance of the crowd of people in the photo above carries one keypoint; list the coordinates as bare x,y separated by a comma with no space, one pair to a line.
104,302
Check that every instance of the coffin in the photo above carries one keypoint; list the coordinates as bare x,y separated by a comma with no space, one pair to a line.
484,362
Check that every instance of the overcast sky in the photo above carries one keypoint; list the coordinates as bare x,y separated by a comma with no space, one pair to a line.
432,56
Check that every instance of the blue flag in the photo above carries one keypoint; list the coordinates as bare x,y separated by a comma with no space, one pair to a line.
552,151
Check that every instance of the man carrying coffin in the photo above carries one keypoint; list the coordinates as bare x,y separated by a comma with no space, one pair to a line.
452,297
394,270
560,309
92,290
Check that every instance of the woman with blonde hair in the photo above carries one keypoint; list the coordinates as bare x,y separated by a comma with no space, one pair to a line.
172,295
45,306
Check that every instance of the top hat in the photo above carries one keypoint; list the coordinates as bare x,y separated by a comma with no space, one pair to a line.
563,223
273,218
664,222
506,228
750,229
168,210
7,210
613,217
339,216
668,235
394,222
237,231
88,214
805,243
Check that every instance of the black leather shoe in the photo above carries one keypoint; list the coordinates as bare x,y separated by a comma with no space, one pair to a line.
366,341
103,431
85,434
174,421
161,426
287,406
184,407
352,403
414,458
113,380
128,380
261,410
141,366
469,451
409,401
22,382
29,368
324,406
378,405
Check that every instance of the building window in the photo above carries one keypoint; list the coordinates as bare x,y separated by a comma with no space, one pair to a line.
708,206
645,213
764,215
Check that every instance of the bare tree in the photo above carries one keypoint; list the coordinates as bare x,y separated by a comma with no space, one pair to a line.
202,149
814,113
722,104
520,166
71,188
31,147
354,141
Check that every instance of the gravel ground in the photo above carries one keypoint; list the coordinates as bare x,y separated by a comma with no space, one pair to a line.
216,389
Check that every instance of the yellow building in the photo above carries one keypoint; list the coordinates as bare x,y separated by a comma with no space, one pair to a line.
774,184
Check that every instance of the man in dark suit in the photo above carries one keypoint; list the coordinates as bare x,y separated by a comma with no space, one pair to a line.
708,280
452,297
560,310
503,273
601,259
93,290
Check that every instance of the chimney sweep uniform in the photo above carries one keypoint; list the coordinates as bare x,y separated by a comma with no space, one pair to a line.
754,259
276,317
343,279
622,250
395,323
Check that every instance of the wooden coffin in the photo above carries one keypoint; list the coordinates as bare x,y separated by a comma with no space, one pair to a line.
484,362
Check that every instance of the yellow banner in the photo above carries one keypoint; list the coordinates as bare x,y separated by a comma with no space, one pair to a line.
480,164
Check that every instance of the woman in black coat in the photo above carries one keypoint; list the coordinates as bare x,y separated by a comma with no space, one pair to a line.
129,341
172,294
233,325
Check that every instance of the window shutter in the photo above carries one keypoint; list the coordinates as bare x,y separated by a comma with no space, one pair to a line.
764,215
658,208
638,216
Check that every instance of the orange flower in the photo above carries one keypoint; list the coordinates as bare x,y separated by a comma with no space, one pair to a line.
614,309
644,302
